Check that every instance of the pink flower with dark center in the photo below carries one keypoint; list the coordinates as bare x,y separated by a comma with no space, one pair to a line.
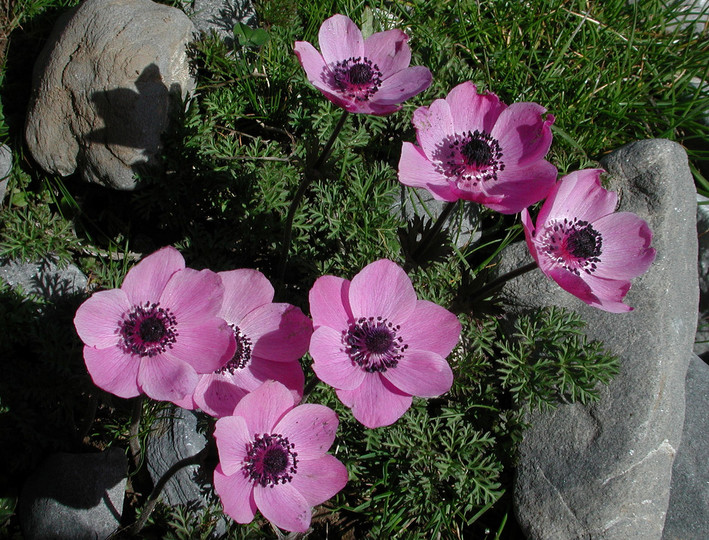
377,344
370,76
587,248
272,458
474,147
157,332
270,339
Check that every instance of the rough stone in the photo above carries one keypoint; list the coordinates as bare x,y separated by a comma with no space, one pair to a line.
688,511
45,278
220,16
5,168
603,471
701,343
78,496
104,87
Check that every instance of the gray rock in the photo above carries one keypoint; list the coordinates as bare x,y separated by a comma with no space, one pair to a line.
45,278
701,343
220,16
5,168
690,13
77,496
104,87
688,511
603,471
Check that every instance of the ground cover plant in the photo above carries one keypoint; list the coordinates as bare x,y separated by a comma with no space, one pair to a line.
257,136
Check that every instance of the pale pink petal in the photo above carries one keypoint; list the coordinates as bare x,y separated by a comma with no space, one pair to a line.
113,370
312,61
331,363
417,171
529,232
236,493
259,370
382,289
378,109
278,332
166,379
431,328
626,251
403,85
570,282
320,479
206,347
376,402
339,99
99,319
471,111
329,302
389,51
421,373
193,295
187,402
218,394
523,133
284,506
609,293
265,406
311,428
578,195
434,125
244,291
521,187
340,39
233,439
147,279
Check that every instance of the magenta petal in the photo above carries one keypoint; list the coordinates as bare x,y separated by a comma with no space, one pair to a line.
626,246
218,394
236,493
416,170
578,195
609,294
193,295
278,332
244,291
471,111
205,347
290,374
233,439
433,125
147,279
311,60
421,373
571,283
166,379
376,402
529,231
331,363
431,328
403,85
320,479
524,135
283,506
522,187
329,302
311,427
99,318
113,370
340,39
265,406
382,289
389,50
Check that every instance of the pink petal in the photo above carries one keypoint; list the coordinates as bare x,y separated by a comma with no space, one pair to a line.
402,85
193,295
218,394
186,402
433,125
318,480
421,373
233,439
278,332
376,402
205,347
521,187
329,302
113,370
529,231
265,406
416,170
340,39
524,135
283,506
471,111
100,317
609,293
311,60
259,370
244,291
571,283
311,427
331,364
431,328
578,195
389,51
147,279
382,289
236,493
626,251
166,379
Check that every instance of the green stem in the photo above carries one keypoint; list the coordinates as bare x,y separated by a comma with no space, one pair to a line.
134,441
425,243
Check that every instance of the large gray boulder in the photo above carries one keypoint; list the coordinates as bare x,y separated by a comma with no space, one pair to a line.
104,87
603,471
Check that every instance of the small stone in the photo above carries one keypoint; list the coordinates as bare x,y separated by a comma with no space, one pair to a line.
45,279
5,168
220,16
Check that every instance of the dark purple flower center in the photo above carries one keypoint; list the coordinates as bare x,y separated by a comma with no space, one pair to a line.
357,78
469,158
148,330
270,460
373,345
574,244
242,355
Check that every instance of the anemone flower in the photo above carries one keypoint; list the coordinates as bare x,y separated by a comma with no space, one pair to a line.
587,248
272,458
377,344
370,76
270,339
157,332
474,147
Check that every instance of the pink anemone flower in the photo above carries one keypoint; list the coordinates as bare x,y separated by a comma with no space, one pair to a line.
270,339
272,458
474,147
587,248
157,332
377,344
370,76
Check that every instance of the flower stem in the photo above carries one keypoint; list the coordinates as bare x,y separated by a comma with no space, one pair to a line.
496,284
309,175
425,243
133,440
